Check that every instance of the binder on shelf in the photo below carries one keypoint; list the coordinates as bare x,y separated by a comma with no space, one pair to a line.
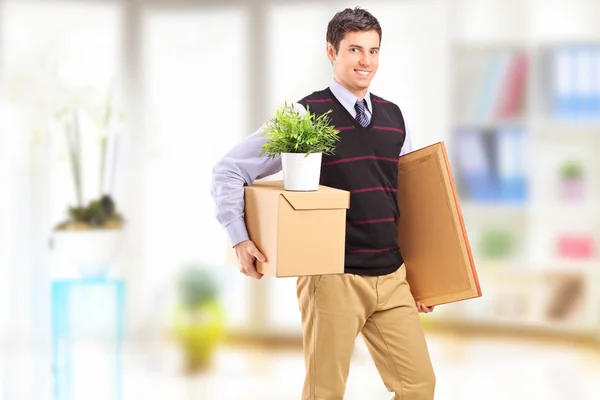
512,155
493,85
583,79
595,101
512,93
563,82
575,74
431,231
475,164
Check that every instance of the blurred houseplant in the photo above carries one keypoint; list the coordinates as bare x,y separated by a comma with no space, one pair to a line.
572,182
497,244
199,318
45,99
300,140
92,232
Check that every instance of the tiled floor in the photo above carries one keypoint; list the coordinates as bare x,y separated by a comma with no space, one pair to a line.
466,368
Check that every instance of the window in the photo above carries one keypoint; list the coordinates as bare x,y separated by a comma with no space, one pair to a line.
194,66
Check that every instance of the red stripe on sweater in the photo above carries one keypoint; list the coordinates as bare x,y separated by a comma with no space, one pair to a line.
381,101
373,189
371,221
318,101
351,159
387,128
344,128
372,250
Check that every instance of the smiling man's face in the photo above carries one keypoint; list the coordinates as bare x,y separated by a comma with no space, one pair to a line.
356,61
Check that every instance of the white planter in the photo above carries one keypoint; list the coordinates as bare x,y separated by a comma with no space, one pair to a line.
92,252
301,172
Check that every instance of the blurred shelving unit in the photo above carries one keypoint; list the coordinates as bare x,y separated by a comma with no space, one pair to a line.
525,146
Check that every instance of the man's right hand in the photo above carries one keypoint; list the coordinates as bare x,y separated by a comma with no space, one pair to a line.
247,253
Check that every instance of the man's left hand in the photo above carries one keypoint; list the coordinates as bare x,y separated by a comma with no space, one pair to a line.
423,308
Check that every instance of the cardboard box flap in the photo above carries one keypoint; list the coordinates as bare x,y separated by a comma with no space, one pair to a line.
322,199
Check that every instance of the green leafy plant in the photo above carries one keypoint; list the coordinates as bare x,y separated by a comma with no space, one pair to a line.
99,213
290,132
497,244
571,170
196,286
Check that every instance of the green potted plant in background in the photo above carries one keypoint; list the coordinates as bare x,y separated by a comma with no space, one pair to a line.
572,182
300,141
497,244
199,323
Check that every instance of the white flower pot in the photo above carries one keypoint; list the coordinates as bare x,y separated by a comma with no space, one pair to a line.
301,172
92,252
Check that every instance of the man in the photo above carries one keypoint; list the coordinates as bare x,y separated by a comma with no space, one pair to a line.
372,297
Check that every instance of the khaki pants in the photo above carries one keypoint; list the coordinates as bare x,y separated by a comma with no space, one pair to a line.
335,308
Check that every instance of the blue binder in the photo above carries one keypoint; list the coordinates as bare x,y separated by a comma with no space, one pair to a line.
512,155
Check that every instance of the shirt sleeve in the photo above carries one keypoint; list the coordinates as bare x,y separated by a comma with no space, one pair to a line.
240,167
407,147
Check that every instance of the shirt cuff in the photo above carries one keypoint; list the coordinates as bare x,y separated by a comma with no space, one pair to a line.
237,232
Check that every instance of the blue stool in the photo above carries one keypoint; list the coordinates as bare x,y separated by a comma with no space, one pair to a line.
87,312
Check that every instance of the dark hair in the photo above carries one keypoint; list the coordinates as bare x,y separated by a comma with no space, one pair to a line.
350,20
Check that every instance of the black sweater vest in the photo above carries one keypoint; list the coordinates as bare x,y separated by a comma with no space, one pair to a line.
366,164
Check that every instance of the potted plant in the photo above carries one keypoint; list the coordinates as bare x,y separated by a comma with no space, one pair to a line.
199,318
497,244
91,234
572,184
300,141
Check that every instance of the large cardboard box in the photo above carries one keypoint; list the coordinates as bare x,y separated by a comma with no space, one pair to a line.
300,233
431,230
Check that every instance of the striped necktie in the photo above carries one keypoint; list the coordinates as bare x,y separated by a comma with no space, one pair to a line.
361,115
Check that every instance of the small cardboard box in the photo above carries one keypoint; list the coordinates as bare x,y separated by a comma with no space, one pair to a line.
300,233
431,230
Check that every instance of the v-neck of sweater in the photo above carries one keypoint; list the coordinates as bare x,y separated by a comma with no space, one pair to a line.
351,117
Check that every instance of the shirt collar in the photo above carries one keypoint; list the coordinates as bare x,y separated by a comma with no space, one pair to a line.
348,99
